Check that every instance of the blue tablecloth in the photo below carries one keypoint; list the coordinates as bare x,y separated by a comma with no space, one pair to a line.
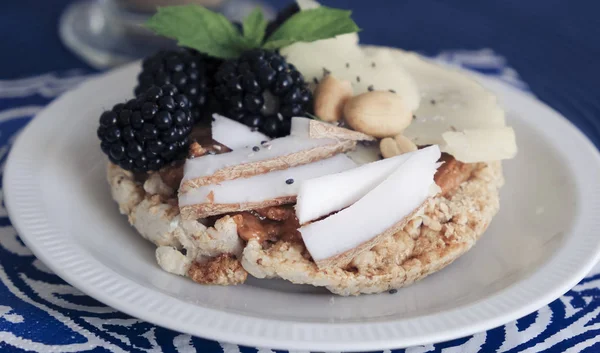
550,43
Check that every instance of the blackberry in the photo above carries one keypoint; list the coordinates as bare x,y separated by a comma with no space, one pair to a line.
190,71
260,89
281,17
147,132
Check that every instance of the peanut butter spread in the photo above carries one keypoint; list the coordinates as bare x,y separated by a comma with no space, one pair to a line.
269,224
452,173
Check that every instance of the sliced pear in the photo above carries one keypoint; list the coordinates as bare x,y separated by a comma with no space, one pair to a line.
365,153
319,197
482,145
343,57
264,190
335,240
315,129
233,134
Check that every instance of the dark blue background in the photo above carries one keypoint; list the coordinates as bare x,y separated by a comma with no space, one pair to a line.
553,44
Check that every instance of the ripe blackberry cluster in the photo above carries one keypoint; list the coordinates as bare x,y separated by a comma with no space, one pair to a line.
260,89
190,71
147,132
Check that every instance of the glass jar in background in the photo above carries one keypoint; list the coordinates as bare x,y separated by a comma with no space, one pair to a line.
108,33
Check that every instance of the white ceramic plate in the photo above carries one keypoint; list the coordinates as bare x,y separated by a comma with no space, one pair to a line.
543,241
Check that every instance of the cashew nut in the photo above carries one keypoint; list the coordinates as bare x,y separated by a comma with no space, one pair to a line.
378,113
398,145
330,97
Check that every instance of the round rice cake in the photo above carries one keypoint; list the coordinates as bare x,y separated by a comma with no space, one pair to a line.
448,227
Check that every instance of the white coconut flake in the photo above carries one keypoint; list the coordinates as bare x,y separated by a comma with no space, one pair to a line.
209,164
267,186
319,197
399,195
233,134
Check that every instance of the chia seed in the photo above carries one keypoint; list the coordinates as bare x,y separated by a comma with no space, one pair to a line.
357,78
433,102
289,181
347,65
393,291
255,148
373,64
315,80
371,88
263,142
392,91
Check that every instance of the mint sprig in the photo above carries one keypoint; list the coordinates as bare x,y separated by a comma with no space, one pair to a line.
211,33
312,25
254,27
199,28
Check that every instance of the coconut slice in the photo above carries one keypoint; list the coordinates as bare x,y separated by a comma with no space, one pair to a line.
233,134
384,210
304,127
264,190
319,197
483,145
278,154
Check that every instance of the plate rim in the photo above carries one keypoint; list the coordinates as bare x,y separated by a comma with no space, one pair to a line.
156,307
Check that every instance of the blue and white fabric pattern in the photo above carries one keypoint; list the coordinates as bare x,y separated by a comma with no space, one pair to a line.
39,312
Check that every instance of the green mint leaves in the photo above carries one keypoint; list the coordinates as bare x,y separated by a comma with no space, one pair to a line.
211,33
254,27
199,28
311,25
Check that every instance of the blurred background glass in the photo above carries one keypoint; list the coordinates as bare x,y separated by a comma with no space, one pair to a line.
107,33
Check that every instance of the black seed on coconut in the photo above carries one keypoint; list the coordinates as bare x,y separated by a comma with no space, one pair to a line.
392,91
289,181
393,291
371,88
255,148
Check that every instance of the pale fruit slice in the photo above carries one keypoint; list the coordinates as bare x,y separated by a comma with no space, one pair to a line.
277,154
453,102
365,153
330,193
233,134
314,129
307,4
335,240
264,190
342,57
483,145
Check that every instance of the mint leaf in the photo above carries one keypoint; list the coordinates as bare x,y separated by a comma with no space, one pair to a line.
254,28
311,25
197,27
